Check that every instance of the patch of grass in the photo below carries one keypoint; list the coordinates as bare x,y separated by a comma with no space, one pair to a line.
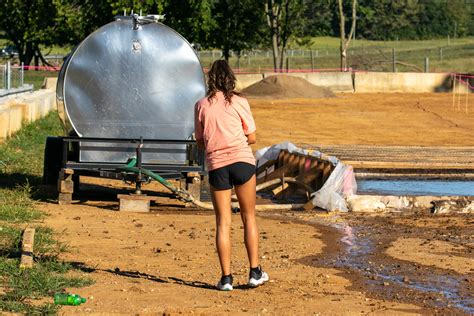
48,276
29,290
23,153
363,55
46,245
332,43
7,304
16,205
24,286
36,77
10,239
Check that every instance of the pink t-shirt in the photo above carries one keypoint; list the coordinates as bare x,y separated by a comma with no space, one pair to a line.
223,127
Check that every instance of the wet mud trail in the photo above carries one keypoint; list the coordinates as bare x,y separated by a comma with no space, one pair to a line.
357,246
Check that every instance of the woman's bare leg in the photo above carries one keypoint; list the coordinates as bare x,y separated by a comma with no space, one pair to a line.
222,208
246,194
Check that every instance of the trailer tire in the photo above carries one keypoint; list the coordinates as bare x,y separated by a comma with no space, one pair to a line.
52,160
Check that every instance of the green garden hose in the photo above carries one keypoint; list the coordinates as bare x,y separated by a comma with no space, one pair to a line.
187,197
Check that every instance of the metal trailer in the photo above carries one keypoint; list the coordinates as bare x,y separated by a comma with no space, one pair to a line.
127,93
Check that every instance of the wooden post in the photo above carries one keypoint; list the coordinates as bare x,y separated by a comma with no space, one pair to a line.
427,64
467,96
454,89
459,93
312,61
27,248
9,75
394,61
441,53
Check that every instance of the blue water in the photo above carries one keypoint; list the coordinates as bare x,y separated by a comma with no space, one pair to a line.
415,187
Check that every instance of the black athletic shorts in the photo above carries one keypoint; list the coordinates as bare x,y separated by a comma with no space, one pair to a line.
235,174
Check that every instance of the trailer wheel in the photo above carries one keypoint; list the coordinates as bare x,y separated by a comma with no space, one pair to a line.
52,160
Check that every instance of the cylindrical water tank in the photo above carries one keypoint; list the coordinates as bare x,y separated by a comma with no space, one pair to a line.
130,79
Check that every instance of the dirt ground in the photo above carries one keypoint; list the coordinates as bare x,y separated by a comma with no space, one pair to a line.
165,261
366,119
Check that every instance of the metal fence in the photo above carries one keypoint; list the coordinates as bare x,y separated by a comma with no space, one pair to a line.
370,58
12,76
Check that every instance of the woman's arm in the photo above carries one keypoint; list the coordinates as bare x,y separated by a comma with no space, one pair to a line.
251,138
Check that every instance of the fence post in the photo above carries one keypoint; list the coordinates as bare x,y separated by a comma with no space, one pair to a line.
22,74
312,61
9,75
394,61
441,53
427,64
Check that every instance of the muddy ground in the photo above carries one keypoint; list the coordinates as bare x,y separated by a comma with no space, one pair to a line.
164,261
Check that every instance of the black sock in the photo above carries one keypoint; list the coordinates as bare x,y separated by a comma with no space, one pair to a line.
256,270
227,279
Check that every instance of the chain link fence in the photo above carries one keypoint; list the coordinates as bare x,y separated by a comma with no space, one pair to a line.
11,76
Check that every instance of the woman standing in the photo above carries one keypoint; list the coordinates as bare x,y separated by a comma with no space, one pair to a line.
225,128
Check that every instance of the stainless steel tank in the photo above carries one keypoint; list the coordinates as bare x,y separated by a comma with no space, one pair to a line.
131,78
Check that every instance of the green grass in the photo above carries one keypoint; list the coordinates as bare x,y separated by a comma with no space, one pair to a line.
36,77
29,290
456,56
49,275
24,286
332,43
16,205
366,55
23,152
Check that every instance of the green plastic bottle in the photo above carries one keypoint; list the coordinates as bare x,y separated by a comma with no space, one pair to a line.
68,299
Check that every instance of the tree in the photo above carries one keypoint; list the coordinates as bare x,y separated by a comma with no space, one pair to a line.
190,18
285,19
342,29
28,24
412,19
32,25
319,15
237,25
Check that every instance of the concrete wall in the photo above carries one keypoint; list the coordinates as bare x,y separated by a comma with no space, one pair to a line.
246,80
366,82
23,109
49,83
401,82
336,81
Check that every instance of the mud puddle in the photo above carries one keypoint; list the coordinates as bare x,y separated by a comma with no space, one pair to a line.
358,250
401,280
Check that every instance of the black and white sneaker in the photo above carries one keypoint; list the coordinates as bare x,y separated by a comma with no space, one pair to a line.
257,277
225,283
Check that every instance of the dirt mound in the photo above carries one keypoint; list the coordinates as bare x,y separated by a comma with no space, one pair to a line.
286,87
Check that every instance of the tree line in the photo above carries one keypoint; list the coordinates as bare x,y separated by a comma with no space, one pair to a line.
234,26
